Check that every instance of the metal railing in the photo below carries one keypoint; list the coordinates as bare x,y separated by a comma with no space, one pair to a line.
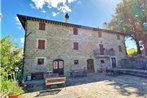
105,52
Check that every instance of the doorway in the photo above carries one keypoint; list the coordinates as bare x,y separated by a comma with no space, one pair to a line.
113,59
58,66
90,65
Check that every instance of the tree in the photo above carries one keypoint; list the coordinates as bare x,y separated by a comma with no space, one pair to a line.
131,18
10,55
10,59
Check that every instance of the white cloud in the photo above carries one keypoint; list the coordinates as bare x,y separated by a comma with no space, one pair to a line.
39,3
43,11
32,6
54,14
60,5
1,16
65,9
22,40
70,1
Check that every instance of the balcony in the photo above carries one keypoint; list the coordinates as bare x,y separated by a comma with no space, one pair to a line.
103,53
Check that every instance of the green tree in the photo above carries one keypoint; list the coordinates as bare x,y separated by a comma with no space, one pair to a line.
10,58
131,17
10,55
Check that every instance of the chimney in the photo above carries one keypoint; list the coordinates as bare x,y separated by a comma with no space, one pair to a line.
66,18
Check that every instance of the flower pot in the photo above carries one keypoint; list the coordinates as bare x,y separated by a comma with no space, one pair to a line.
13,96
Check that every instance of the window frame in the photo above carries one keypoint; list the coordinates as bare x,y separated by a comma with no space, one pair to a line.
118,37
76,62
75,31
44,44
75,45
120,48
44,62
42,25
100,34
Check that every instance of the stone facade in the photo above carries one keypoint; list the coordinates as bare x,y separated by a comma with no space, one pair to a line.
59,41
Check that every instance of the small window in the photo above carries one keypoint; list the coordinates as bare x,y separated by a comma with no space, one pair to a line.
41,26
76,45
76,62
99,34
118,37
120,48
102,61
61,64
55,65
41,44
75,31
40,61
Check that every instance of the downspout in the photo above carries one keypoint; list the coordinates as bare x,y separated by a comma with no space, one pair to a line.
24,48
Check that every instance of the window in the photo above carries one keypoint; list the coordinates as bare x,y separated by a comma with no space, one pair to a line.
40,61
41,44
61,64
76,45
120,49
55,65
99,34
101,49
41,26
75,31
76,62
102,61
118,37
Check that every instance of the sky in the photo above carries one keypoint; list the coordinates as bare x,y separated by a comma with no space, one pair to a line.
83,12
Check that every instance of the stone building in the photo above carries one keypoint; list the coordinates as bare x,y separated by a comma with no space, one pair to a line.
61,47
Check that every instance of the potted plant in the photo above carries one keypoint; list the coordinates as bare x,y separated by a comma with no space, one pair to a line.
14,90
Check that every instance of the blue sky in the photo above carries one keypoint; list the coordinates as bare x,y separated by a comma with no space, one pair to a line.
84,12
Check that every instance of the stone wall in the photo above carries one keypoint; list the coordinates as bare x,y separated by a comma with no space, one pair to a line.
59,45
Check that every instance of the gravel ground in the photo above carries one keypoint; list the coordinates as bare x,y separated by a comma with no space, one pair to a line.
98,86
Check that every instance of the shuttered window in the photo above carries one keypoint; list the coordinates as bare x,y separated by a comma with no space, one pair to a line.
41,44
118,37
75,31
76,45
41,26
120,49
99,34
101,49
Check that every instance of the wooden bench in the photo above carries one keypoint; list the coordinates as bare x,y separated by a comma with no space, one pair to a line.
53,79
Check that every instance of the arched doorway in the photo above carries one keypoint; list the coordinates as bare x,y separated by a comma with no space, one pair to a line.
90,65
58,66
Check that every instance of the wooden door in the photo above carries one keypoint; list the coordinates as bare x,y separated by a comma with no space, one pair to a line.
101,49
58,66
113,62
90,65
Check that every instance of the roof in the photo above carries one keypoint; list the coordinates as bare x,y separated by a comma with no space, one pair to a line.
24,18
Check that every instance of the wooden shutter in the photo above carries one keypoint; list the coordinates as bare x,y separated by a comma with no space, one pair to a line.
76,45
41,44
41,26
118,37
120,49
101,49
99,34
75,31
